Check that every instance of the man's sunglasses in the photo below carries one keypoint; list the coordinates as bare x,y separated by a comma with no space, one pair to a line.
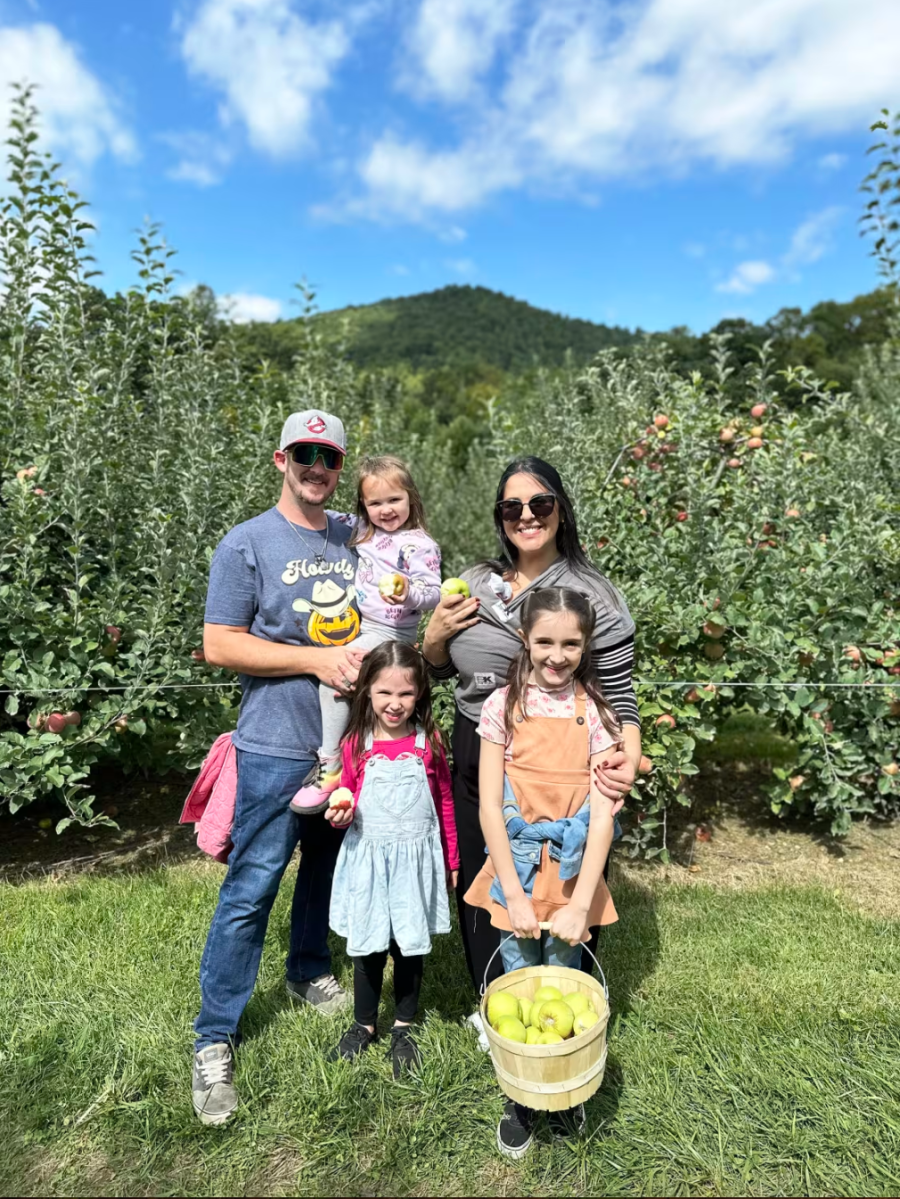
305,453
540,505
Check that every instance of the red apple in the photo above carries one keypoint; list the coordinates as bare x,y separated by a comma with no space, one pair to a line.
114,633
734,463
758,410
714,650
713,629
39,491
626,481
661,421
645,765
754,443
682,516
73,718
198,655
56,722
692,696
665,721
654,466
852,652
792,512
796,781
726,434
638,452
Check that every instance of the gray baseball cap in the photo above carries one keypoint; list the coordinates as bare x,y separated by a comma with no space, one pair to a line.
316,426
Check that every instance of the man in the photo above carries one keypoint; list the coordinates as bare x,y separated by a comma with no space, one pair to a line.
280,610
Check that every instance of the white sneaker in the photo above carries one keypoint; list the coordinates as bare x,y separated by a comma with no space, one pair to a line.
212,1090
477,1023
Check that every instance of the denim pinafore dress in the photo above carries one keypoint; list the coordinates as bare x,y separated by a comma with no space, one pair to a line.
390,879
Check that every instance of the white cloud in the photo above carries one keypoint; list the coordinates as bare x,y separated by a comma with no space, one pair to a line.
269,63
461,266
240,307
398,269
453,235
747,276
814,238
832,162
590,90
78,115
202,159
695,249
453,43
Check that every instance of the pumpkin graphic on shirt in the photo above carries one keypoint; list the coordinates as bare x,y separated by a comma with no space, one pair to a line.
332,619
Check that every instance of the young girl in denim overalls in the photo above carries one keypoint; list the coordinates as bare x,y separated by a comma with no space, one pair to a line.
548,830
400,852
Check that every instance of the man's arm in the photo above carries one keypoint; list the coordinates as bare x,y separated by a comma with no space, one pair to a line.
235,648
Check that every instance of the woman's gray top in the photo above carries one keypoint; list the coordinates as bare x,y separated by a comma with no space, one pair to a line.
481,655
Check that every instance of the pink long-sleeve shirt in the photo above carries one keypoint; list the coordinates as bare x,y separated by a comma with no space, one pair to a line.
438,773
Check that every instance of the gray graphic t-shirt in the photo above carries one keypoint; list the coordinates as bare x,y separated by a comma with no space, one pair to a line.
264,575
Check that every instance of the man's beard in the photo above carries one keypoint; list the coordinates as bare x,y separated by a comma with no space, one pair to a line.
296,490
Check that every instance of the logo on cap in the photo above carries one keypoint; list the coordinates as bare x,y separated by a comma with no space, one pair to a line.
315,424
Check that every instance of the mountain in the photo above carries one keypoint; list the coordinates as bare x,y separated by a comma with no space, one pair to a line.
453,327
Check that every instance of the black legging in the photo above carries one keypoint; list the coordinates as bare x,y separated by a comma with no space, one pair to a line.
368,975
479,937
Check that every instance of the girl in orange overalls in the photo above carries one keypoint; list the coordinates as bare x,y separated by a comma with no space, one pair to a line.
548,830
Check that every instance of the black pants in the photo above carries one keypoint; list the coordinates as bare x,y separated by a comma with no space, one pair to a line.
479,937
368,975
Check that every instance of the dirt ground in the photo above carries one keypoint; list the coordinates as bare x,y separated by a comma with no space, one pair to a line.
747,846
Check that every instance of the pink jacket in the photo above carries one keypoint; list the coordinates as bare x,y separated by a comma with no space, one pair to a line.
210,804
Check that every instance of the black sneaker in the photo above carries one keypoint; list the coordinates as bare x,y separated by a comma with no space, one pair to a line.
515,1132
567,1123
403,1050
356,1039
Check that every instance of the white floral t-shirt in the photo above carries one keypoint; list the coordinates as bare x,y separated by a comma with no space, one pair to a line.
561,703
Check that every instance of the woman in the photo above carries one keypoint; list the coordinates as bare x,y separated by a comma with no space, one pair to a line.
477,638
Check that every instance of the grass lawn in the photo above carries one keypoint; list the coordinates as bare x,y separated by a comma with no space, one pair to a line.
754,1049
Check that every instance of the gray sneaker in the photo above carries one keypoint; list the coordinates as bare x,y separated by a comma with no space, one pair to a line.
325,994
212,1090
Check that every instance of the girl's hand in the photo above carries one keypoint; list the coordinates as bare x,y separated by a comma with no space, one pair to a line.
570,924
522,918
452,879
453,614
614,776
396,600
339,819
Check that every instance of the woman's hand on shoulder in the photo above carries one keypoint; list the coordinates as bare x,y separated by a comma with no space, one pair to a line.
453,614
614,775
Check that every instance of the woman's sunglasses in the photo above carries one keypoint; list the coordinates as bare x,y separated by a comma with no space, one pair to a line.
305,453
540,506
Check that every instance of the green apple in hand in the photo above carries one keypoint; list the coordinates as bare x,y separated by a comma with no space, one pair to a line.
454,587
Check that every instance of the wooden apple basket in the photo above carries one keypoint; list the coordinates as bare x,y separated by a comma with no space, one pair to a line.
550,1078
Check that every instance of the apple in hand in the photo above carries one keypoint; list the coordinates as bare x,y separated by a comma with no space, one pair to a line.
341,800
455,587
392,586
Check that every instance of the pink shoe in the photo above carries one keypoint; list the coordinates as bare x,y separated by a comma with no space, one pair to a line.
313,796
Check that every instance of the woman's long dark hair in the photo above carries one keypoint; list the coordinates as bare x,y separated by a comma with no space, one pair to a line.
567,541
566,535
386,656
559,600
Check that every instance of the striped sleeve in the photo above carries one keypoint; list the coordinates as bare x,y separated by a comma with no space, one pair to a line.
446,671
613,666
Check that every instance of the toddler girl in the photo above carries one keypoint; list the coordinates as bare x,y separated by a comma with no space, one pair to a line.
397,579
548,830
400,851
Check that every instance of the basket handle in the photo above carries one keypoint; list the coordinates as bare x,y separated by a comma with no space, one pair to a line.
544,926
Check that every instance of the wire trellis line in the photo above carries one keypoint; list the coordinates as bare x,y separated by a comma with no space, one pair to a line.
637,683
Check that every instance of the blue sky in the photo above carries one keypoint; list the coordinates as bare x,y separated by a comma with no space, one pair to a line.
651,163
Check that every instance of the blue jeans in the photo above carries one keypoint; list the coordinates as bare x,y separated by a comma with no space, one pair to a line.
517,952
265,834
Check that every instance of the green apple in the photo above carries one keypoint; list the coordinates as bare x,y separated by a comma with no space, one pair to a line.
501,1006
512,1028
532,1036
525,1006
557,1016
577,1001
454,587
535,1013
544,993
550,1038
585,1020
